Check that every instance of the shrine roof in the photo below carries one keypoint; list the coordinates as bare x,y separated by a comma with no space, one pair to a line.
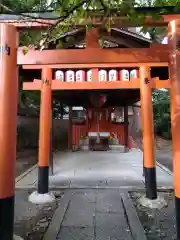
119,37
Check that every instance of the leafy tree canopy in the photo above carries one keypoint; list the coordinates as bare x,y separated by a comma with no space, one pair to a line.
69,11
162,118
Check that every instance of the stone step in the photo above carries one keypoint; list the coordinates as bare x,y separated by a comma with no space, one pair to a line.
116,148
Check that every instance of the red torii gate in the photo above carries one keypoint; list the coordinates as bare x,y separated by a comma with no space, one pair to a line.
168,56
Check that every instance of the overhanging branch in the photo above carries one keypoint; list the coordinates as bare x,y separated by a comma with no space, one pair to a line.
62,18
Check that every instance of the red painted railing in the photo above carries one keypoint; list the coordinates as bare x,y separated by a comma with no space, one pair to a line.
77,132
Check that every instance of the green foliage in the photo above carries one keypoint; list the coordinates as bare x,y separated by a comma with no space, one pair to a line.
30,38
23,5
161,109
70,12
160,3
159,32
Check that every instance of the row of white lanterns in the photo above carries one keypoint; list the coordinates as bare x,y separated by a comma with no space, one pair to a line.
104,75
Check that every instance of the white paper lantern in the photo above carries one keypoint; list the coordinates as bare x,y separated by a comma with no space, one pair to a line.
89,76
113,75
102,75
113,116
59,75
70,76
80,76
134,74
124,75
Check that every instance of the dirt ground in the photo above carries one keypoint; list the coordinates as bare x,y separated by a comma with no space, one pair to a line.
163,144
164,152
25,159
159,224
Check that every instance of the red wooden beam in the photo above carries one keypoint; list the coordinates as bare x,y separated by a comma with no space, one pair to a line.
158,53
156,83
23,24
95,65
35,85
58,85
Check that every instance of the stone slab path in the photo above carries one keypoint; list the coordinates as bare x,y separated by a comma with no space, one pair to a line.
95,215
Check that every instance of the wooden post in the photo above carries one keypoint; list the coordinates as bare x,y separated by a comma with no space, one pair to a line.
126,123
174,72
95,75
45,131
92,41
51,163
109,112
87,120
148,133
92,38
8,113
70,129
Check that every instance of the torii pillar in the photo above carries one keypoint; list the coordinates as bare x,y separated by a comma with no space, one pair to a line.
174,72
8,117
126,127
92,42
43,195
148,133
92,38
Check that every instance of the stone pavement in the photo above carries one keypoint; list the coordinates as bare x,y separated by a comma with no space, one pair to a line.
95,215
97,170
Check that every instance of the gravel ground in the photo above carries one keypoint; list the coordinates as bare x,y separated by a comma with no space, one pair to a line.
159,224
25,159
32,220
164,152
44,218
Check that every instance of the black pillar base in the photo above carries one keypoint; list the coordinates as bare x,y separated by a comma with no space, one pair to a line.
143,167
177,209
7,218
43,180
51,154
143,171
150,183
